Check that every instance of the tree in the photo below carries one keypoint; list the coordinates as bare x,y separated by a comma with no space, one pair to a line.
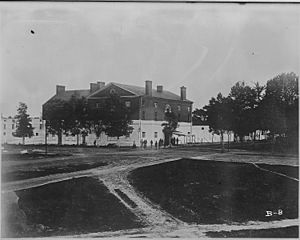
24,128
280,107
170,126
199,117
243,100
58,115
115,118
79,121
219,116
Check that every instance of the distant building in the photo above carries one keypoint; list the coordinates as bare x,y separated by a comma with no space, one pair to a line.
147,105
8,128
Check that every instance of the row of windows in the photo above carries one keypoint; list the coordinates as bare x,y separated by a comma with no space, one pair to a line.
155,116
167,106
13,126
155,134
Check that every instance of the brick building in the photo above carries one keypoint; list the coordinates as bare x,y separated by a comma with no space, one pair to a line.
147,109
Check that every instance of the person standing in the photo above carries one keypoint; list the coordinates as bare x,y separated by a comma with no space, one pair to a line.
155,144
151,143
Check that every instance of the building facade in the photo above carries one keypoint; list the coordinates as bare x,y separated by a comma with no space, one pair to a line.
147,107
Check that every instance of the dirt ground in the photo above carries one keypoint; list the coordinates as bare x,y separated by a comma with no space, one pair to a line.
113,169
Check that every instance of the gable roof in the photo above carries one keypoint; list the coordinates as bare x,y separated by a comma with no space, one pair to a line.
136,90
140,91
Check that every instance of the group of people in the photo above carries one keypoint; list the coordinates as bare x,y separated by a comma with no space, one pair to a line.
156,144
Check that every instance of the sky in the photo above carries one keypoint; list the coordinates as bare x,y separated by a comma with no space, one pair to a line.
207,47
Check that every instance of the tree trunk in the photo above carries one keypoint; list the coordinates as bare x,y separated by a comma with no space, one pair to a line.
77,136
59,137
222,141
83,140
228,135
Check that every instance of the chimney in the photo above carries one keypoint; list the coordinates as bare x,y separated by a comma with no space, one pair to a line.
93,87
60,89
183,93
101,85
148,88
160,88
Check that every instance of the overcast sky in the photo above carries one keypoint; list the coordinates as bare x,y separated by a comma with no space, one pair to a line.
205,47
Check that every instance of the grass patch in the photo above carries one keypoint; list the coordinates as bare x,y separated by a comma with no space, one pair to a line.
287,232
21,175
74,206
208,192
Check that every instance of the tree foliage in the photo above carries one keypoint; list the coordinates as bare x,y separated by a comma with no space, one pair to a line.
115,118
169,126
58,116
74,117
280,106
273,108
24,128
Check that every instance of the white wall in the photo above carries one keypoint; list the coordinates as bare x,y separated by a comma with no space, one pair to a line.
139,126
202,135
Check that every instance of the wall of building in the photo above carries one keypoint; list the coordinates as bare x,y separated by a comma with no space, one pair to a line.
202,135
8,127
144,129
151,105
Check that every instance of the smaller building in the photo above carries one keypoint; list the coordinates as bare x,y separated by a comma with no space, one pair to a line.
8,128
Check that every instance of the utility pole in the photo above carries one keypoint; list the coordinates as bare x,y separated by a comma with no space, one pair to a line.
46,147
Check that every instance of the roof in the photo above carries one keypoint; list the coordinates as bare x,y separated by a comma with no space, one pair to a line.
140,91
69,93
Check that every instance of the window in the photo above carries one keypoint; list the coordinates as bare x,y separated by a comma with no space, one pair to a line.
41,126
143,115
168,108
179,108
143,102
155,134
36,134
189,109
155,105
4,126
13,126
155,116
128,104
202,128
98,105
112,91
143,134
